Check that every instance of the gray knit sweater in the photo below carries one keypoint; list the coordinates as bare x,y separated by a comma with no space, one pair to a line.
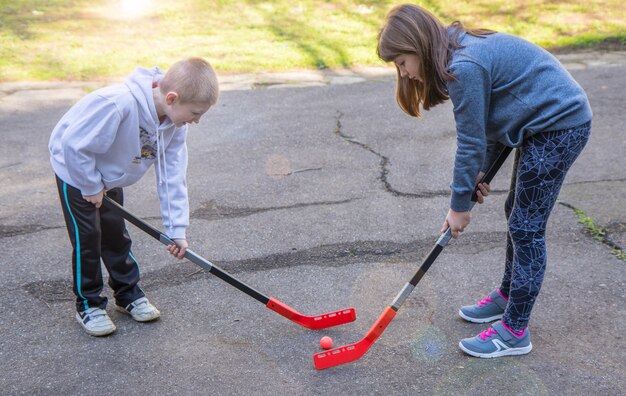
506,89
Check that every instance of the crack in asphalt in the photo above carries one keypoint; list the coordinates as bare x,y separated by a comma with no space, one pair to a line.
595,181
618,228
385,162
331,255
334,255
383,165
3,167
211,210
7,231
384,170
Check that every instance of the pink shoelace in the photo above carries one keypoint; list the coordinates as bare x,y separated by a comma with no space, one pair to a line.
484,301
487,333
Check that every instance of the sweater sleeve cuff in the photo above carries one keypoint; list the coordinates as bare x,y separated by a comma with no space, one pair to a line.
461,202
92,190
176,232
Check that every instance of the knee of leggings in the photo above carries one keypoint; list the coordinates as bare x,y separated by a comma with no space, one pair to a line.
525,234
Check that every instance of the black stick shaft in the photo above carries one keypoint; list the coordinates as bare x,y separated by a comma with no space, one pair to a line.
428,261
445,237
190,255
493,169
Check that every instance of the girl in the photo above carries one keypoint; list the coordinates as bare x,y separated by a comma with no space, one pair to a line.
505,92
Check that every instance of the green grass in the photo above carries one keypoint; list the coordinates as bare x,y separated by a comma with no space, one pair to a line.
598,233
99,39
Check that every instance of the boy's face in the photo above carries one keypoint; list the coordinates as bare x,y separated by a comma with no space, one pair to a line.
184,113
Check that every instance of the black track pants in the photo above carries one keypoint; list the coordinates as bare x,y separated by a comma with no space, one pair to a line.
98,234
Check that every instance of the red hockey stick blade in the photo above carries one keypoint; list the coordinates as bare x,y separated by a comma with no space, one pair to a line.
322,321
348,353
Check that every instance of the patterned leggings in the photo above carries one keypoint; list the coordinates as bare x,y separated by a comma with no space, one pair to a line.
538,172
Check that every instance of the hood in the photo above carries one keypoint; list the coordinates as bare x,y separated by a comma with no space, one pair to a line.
140,83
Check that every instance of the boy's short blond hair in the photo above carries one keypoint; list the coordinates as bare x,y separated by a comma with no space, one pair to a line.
193,79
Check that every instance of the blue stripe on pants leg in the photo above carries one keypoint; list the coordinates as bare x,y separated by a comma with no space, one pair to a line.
78,260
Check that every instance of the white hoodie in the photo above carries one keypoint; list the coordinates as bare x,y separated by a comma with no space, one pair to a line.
108,140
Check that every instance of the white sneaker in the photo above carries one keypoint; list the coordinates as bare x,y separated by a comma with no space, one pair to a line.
96,322
141,310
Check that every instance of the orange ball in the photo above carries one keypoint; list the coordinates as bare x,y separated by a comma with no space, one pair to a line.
326,342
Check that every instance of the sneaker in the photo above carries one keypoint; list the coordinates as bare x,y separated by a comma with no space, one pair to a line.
96,322
141,310
486,310
496,341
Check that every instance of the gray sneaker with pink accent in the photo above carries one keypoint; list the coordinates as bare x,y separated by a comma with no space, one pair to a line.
486,310
498,340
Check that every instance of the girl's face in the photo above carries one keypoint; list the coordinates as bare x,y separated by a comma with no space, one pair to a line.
409,66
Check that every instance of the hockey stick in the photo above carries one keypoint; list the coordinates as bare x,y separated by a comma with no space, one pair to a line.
322,321
348,353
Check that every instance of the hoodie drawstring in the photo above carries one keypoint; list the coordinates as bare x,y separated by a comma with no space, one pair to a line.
161,152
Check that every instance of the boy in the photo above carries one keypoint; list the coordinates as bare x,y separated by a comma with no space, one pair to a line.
109,140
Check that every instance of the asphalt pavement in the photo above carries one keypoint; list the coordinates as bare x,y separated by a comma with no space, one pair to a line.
317,190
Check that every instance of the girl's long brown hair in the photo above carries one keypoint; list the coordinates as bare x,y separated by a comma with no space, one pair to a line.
410,29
